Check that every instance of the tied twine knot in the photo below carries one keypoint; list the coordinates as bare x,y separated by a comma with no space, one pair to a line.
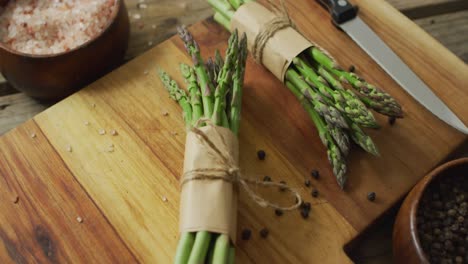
282,21
228,171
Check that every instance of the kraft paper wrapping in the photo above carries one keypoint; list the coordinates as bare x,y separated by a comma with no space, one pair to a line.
281,49
209,205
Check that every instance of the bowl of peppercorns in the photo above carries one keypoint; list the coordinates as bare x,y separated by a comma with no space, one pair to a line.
432,223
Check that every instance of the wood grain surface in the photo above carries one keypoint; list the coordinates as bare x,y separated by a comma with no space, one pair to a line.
40,204
126,186
15,108
426,8
450,29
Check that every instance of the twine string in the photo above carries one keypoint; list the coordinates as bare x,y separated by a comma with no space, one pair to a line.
227,170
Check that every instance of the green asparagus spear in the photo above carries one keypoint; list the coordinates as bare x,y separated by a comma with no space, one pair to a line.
222,20
224,79
362,139
221,249
235,3
358,136
329,112
184,248
341,138
219,61
205,85
385,109
178,95
354,108
192,86
222,7
364,88
334,154
237,84
200,247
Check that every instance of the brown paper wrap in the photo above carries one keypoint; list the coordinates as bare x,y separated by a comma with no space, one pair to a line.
281,49
209,205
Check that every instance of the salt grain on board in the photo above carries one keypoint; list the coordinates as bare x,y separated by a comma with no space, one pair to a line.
51,27
79,219
69,148
114,132
102,132
33,135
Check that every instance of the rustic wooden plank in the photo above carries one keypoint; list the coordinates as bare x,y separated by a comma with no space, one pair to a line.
451,30
148,160
40,203
403,5
159,19
16,109
425,8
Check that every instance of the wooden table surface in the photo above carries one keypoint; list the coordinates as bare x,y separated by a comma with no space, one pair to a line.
446,20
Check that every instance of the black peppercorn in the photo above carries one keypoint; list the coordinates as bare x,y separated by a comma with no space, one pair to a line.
307,183
267,179
391,120
371,196
246,233
264,232
278,212
315,193
315,174
436,245
261,154
307,206
351,68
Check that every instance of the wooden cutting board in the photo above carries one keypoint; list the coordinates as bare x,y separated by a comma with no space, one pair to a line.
66,197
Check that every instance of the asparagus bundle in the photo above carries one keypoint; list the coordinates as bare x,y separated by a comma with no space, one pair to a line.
338,102
213,94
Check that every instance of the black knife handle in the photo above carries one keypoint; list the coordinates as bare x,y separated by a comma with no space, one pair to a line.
340,10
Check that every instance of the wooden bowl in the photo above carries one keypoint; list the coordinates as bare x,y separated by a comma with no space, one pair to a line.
58,75
406,245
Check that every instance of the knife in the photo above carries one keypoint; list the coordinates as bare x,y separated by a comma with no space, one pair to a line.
344,15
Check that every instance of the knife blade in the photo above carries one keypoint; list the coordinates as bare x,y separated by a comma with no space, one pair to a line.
344,15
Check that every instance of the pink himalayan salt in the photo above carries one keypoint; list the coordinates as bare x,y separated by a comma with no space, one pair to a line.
53,26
